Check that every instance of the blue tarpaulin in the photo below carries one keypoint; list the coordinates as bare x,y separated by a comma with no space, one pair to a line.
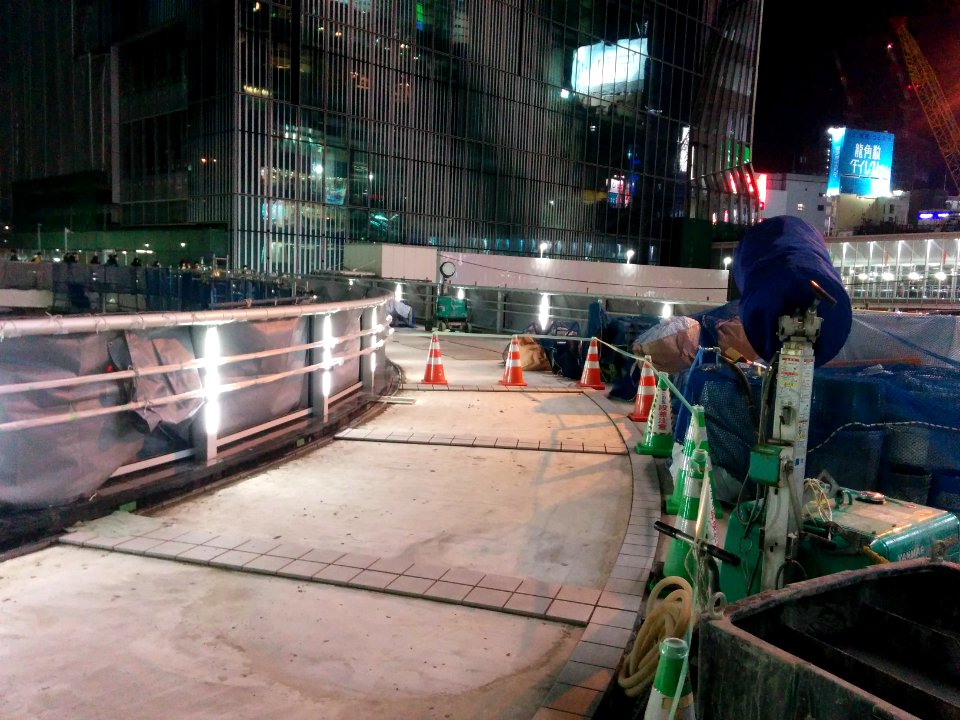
774,264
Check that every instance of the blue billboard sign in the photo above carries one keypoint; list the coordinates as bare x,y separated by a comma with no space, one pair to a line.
861,162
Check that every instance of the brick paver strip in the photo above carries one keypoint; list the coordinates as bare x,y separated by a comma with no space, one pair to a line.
201,554
588,676
268,564
303,569
404,585
454,592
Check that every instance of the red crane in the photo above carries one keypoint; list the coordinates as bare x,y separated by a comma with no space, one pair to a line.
937,110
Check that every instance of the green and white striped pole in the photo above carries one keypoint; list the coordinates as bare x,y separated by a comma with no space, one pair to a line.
676,561
673,653
694,439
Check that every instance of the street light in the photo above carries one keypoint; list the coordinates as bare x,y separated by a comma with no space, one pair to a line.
629,255
543,247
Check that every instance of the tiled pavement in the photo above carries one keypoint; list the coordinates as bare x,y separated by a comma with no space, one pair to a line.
507,443
502,593
492,388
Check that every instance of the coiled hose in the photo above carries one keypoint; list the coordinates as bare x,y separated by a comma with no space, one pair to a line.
669,617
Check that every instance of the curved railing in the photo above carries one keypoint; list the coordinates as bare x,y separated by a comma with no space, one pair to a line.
84,399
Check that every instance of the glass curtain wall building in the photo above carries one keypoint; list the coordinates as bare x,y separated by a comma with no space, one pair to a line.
589,128
486,125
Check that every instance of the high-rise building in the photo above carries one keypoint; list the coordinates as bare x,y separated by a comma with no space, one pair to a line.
592,126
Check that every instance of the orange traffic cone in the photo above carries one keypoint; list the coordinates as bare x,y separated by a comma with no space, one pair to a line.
433,375
645,392
513,373
591,369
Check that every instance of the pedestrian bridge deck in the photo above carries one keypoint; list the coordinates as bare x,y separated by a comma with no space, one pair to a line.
470,553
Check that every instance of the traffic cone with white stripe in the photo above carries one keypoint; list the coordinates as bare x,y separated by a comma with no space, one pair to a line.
433,375
658,436
513,373
695,439
645,392
591,377
673,652
679,550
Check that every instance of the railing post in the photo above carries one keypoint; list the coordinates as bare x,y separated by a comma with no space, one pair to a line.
320,379
206,344
368,363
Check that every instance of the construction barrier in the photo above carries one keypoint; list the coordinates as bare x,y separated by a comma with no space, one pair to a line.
513,372
591,377
645,392
434,375
658,436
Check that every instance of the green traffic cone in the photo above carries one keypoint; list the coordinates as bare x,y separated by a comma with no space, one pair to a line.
677,552
695,438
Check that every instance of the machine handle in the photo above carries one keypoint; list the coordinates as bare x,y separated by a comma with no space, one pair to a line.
711,550
821,293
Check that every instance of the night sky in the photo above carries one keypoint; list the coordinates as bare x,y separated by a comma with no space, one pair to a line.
805,50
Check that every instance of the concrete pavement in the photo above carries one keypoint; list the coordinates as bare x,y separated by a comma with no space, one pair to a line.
395,537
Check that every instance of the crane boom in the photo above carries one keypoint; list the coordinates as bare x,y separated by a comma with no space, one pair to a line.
937,110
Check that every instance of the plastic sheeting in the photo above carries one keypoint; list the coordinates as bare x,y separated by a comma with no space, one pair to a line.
56,464
672,345
162,347
902,338
774,264
254,405
61,463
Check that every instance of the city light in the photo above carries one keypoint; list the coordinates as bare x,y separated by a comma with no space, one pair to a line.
329,343
460,293
667,311
941,276
211,380
564,93
543,317
398,293
887,276
543,247
629,255
726,262
914,276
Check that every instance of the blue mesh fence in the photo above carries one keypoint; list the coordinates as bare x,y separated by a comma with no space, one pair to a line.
896,429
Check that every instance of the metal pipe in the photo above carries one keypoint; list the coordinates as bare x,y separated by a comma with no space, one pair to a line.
143,321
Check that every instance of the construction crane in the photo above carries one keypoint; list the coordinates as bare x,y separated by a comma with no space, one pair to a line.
937,110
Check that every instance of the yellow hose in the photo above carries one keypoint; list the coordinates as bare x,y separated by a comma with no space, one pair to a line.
669,617
877,559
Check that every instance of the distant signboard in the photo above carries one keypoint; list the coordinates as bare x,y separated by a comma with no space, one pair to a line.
606,69
860,162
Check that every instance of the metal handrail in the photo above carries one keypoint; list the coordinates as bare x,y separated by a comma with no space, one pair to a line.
59,325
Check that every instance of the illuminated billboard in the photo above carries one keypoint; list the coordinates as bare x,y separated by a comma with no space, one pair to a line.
860,162
606,69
